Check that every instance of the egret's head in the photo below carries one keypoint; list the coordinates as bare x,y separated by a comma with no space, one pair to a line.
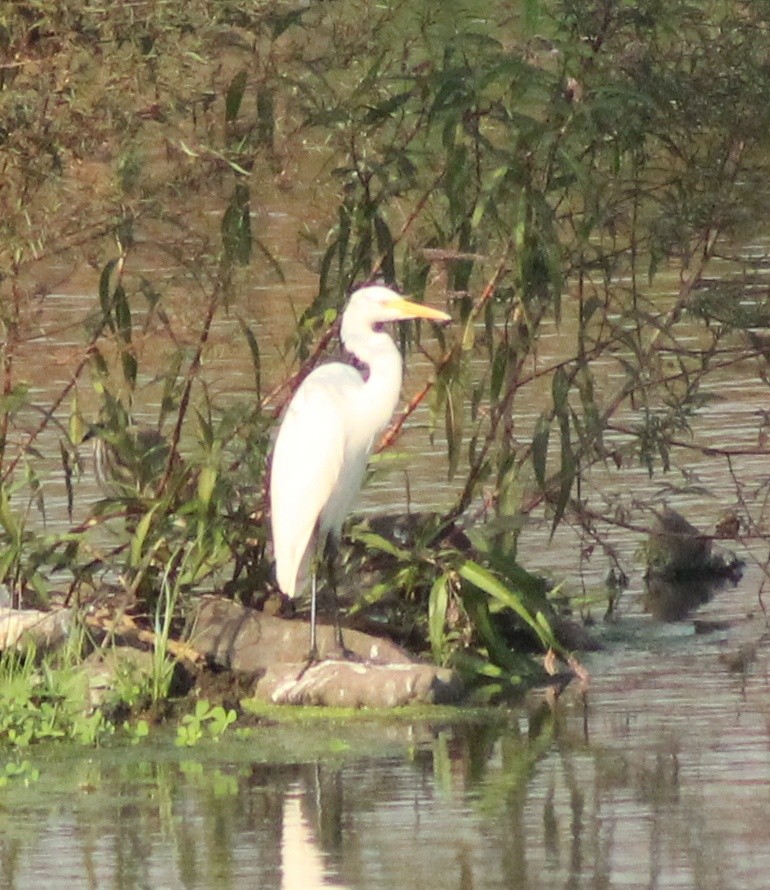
376,304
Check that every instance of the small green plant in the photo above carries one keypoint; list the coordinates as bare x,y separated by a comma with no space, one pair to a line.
206,721
18,771
43,701
137,731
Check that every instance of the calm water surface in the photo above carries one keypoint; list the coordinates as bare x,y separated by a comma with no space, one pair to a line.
656,775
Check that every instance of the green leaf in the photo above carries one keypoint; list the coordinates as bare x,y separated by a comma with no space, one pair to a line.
207,479
256,362
236,227
567,472
205,430
105,294
499,367
140,535
477,608
7,519
437,609
234,96
122,313
560,391
385,247
373,541
494,587
454,426
540,448
130,367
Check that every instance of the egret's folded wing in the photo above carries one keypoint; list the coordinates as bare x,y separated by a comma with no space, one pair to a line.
307,462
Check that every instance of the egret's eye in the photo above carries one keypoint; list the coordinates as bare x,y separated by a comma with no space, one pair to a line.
379,327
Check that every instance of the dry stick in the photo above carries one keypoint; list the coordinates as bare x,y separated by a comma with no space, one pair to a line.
124,625
394,430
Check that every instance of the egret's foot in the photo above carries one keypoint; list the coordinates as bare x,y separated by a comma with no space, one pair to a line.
312,658
342,653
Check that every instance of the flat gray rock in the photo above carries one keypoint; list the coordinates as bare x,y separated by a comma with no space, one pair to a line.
248,641
45,630
378,674
342,683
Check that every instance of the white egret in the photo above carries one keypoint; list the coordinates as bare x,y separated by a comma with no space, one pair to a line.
326,436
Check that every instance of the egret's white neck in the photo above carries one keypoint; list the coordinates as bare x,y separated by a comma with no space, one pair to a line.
380,393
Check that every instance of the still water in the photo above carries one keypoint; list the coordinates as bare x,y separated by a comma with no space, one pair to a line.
655,775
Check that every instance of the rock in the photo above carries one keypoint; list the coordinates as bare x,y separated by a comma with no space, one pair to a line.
248,641
572,635
378,674
106,669
343,683
44,630
675,547
682,573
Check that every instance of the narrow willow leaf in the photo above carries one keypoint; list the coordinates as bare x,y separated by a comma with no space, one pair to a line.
75,422
591,305
266,117
540,448
256,362
105,294
7,519
234,96
499,367
477,607
469,335
207,479
373,541
384,110
454,427
385,247
66,464
205,430
567,472
14,399
139,537
560,391
591,414
99,362
236,227
130,367
486,202
122,313
437,609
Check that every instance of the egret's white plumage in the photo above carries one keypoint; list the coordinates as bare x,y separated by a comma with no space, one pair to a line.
328,431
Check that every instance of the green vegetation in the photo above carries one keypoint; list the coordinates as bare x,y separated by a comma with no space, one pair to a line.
42,703
539,167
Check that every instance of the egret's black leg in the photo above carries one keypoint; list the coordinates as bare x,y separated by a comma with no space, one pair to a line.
313,651
330,557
